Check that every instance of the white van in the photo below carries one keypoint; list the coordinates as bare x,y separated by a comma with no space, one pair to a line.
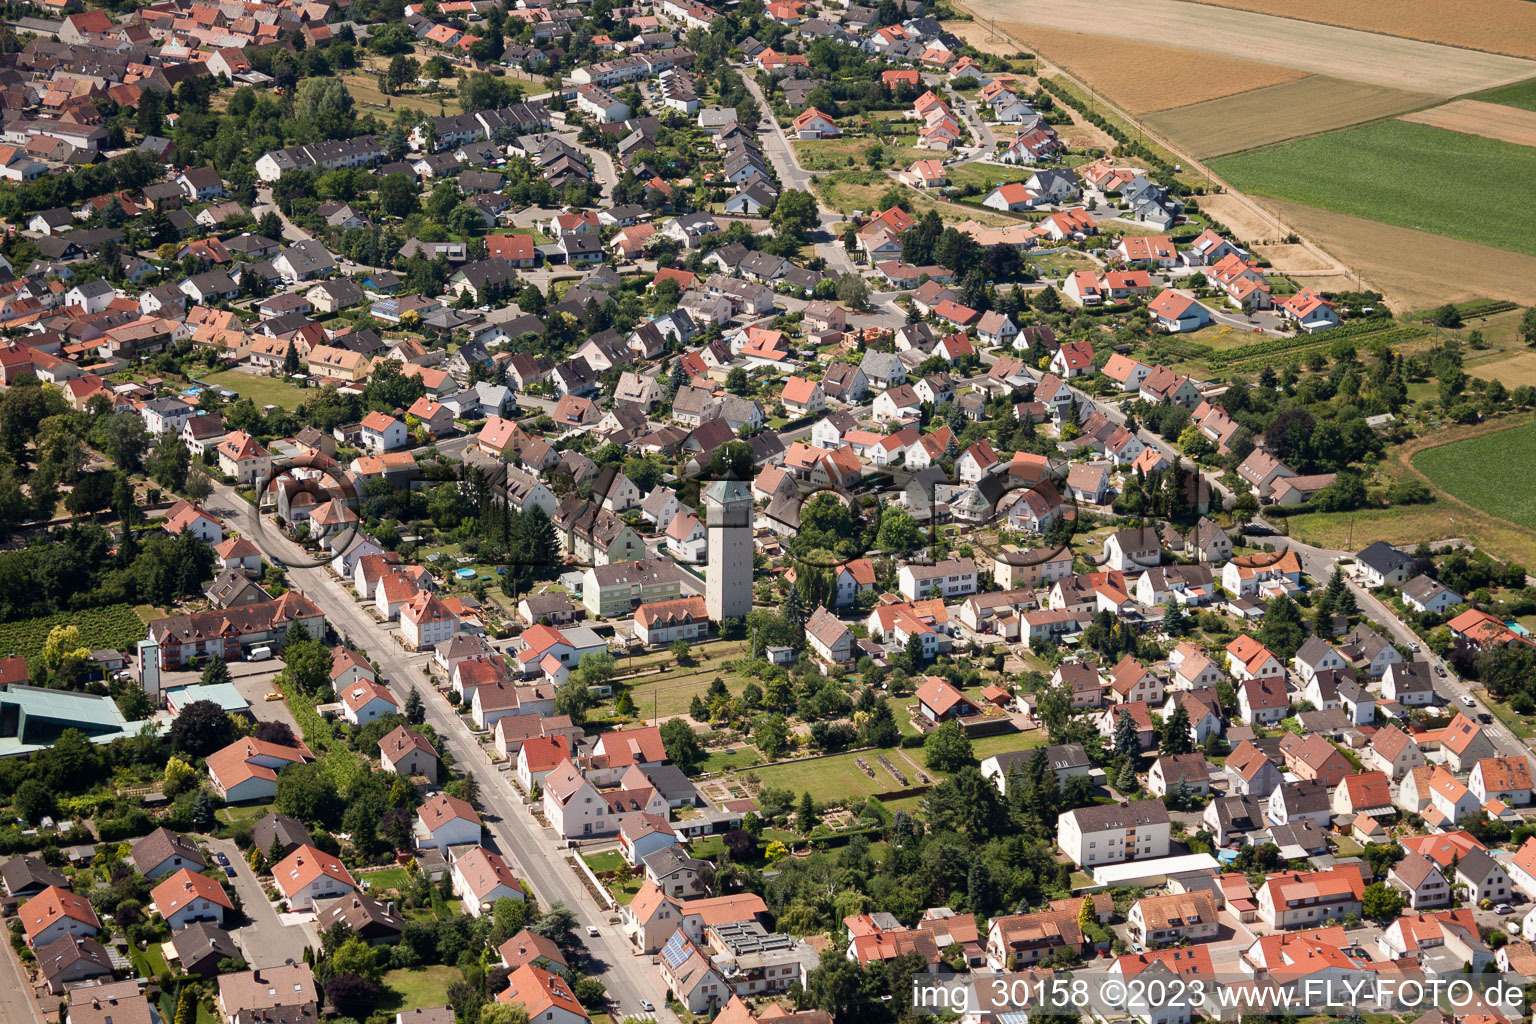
259,654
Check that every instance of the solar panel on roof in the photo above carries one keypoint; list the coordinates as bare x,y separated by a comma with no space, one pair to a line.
676,950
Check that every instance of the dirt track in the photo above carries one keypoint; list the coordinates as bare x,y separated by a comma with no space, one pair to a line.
1473,117
1306,46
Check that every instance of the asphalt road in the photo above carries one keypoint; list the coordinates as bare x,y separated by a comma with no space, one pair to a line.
266,941
532,851
16,1003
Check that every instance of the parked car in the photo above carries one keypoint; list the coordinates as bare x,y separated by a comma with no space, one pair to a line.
646,1005
592,930
1503,908
1469,702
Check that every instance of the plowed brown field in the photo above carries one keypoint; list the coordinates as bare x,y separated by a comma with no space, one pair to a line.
1473,117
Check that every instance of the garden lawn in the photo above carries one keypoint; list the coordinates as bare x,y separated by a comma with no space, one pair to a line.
838,778
259,389
608,860
386,878
1408,175
415,988
150,963
1477,472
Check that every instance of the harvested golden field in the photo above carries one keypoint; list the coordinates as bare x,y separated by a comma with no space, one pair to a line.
1263,117
1413,269
1517,369
1143,77
1242,221
1292,259
1389,61
982,37
1498,26
1474,117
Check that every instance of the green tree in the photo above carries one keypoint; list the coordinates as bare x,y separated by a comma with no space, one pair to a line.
178,777
1527,330
794,215
33,801
682,746
805,817
415,711
948,749
169,463
1176,738
771,734
898,534
202,728
324,106
575,699
1381,902
216,673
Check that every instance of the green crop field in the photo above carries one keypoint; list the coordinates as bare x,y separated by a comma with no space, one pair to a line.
1477,471
1521,94
114,626
1408,175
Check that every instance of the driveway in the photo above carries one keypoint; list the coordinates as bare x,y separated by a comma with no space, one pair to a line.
266,941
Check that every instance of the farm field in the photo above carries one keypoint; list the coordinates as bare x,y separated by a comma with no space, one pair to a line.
1263,117
1511,371
1291,258
1414,269
1142,77
1443,182
1498,26
259,389
1241,220
113,626
1521,94
1474,117
1476,471
1367,57
982,37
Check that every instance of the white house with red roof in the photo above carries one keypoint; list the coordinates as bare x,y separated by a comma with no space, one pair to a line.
813,124
801,397
307,875
1176,313
538,756
1013,197
1073,359
381,432
242,458
365,700
1083,287
480,878
1310,311
425,622
185,517
247,768
55,913
238,553
444,821
187,896
546,997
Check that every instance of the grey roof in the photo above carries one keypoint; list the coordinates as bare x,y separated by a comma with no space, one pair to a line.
29,874
1306,796
1123,815
161,845
1477,866
1313,651
1383,557
1061,757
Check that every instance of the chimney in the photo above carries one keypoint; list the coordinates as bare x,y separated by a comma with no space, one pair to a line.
389,908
